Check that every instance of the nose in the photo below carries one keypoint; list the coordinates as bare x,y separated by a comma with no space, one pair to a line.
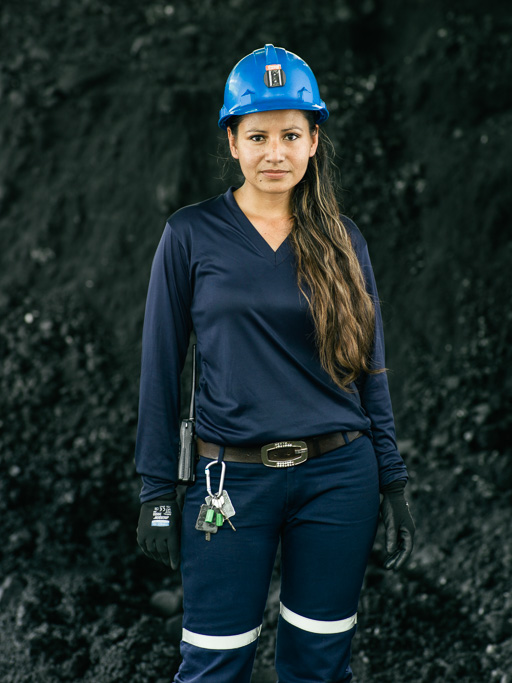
274,151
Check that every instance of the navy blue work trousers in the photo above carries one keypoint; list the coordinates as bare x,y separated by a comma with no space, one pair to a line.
325,514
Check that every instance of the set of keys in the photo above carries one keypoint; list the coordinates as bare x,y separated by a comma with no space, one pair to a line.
217,507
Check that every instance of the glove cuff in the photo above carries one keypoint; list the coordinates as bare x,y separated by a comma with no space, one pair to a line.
394,487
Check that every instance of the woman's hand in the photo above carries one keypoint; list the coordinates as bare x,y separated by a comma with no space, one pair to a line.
158,531
399,525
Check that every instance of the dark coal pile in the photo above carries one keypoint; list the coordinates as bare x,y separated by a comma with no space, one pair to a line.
107,125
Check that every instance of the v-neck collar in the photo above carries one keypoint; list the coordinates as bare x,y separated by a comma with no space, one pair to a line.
276,257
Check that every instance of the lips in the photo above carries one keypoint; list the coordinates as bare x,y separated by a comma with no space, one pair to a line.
270,173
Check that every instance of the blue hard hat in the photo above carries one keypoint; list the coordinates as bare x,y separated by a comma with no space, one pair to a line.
268,79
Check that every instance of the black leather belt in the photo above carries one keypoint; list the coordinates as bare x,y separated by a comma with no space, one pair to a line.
279,453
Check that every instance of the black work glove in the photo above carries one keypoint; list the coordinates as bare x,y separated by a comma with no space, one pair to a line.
398,523
158,531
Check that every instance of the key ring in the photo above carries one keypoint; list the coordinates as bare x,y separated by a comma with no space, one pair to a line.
208,480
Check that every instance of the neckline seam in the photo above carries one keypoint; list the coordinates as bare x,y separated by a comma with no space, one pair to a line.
275,256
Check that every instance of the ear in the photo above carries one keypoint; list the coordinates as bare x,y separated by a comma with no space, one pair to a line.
314,141
232,144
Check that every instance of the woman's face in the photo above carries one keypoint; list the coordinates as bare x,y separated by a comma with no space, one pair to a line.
273,148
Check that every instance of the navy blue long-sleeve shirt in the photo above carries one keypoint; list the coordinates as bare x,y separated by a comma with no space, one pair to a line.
260,375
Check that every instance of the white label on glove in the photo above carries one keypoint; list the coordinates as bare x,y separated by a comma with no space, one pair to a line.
161,515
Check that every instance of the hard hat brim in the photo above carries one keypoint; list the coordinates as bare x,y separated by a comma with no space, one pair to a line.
272,105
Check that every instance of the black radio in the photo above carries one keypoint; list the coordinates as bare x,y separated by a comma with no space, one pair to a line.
187,457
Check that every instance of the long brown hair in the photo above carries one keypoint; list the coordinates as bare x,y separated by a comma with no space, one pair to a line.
328,271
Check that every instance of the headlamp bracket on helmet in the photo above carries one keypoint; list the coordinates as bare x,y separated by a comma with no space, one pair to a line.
274,76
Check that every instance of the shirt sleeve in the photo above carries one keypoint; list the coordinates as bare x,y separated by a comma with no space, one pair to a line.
165,338
374,390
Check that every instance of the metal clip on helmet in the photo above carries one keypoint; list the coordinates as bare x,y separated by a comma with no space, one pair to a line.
268,79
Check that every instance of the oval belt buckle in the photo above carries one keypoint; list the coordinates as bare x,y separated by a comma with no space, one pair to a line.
296,450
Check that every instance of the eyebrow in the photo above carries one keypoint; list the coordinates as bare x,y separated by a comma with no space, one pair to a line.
284,130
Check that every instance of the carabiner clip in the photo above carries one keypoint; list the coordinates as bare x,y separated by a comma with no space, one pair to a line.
208,480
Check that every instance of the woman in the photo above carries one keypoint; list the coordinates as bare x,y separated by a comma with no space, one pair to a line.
294,421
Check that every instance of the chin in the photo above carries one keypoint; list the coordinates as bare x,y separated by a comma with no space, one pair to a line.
272,185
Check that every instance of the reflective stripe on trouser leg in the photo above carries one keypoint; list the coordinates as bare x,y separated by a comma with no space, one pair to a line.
221,642
317,626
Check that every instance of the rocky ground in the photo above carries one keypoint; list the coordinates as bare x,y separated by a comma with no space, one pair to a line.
107,125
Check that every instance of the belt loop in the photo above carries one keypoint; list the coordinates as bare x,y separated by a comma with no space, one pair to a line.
345,436
220,457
